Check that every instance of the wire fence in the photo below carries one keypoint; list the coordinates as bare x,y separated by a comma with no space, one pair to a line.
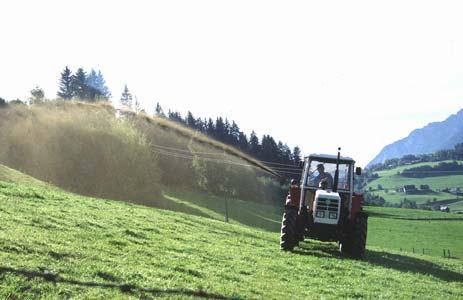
444,252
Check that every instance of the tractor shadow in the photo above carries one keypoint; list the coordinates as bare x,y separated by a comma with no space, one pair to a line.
401,263
126,288
408,264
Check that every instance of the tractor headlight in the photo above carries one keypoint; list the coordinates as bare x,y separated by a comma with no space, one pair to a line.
320,214
333,215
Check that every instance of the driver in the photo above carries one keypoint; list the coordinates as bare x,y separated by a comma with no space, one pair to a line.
323,176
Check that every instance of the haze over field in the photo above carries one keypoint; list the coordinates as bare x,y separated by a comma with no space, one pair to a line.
289,69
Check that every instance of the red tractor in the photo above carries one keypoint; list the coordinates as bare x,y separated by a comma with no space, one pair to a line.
325,207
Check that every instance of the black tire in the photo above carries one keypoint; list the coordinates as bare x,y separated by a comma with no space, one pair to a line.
353,244
345,247
288,229
359,237
301,224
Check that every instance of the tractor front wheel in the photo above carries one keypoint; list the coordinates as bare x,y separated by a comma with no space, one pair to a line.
359,237
354,243
288,238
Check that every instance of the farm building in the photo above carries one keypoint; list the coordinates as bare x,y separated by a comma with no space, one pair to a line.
424,187
409,189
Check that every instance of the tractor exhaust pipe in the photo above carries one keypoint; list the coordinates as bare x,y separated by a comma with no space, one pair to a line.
336,173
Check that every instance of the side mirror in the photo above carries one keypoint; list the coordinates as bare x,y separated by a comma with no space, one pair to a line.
358,171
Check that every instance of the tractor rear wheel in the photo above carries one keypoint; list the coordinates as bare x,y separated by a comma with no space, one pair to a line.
288,229
359,236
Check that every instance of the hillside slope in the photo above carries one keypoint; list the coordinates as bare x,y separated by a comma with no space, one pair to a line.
59,245
431,138
389,180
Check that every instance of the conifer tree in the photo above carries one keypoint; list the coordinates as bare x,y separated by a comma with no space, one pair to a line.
254,146
190,120
96,86
101,84
126,97
65,84
79,86
159,111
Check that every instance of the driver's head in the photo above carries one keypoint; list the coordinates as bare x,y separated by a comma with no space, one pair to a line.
320,168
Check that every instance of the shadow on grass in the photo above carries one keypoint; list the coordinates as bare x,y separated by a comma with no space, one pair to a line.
125,288
411,264
258,215
383,259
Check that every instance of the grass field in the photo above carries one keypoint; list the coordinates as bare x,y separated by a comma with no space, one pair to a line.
389,228
56,245
389,179
456,207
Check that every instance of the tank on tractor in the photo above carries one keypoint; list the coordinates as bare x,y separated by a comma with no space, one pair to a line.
325,207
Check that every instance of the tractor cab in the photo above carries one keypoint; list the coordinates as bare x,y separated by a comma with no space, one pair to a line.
324,206
327,187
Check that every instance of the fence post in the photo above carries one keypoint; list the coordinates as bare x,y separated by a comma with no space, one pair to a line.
443,251
413,249
448,250
226,209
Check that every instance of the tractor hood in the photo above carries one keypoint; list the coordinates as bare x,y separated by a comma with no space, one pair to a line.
327,207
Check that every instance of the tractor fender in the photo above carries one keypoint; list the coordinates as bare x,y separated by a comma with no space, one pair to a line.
293,197
357,201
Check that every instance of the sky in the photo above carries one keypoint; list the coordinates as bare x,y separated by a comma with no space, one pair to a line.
317,74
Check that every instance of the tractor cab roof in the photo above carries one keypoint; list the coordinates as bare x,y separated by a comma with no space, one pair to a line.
330,158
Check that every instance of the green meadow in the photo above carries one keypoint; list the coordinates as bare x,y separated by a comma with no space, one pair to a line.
55,245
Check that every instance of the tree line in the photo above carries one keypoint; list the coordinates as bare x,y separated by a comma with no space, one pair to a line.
266,149
82,85
441,169
449,154
91,86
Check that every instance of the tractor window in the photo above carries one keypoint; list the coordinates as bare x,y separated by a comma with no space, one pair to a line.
322,171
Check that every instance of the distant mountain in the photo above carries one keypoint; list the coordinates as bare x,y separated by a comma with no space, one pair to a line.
431,138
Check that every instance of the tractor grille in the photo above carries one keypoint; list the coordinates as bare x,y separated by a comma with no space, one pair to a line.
327,204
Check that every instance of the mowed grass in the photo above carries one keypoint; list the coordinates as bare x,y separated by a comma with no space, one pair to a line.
415,230
456,207
389,180
59,245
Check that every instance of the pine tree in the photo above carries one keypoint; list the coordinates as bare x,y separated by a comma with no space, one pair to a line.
158,111
96,86
126,97
101,85
243,142
79,86
201,125
190,120
234,133
254,146
219,132
210,128
92,86
296,155
65,84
